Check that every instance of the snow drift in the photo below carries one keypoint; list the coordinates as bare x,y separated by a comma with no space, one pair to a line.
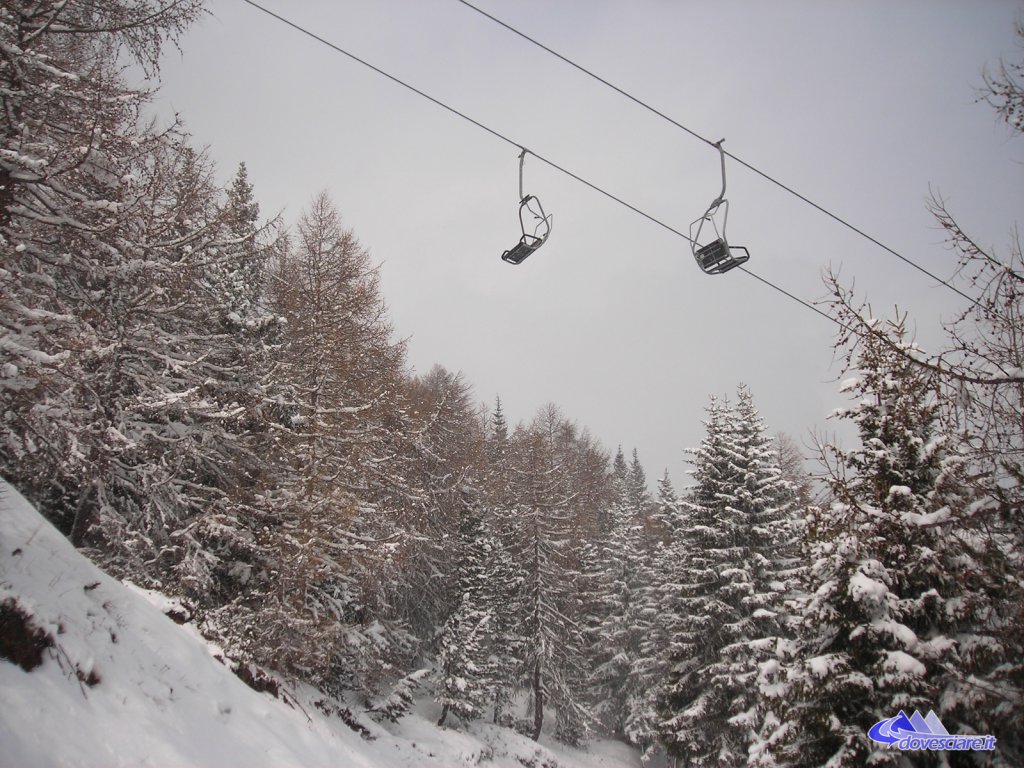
94,674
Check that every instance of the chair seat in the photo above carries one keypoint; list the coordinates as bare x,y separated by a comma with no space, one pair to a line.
717,257
522,249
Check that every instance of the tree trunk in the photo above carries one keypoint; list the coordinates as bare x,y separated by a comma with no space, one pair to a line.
83,515
538,702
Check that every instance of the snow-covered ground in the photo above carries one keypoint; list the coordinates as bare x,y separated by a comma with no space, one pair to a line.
123,685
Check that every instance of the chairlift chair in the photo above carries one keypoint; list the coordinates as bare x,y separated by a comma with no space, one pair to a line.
534,238
711,250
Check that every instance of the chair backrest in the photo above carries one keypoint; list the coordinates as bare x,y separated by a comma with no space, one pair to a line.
718,257
712,254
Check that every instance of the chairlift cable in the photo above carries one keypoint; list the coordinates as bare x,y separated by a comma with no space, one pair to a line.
707,141
797,299
551,163
463,115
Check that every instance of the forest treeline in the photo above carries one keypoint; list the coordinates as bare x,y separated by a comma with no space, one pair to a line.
214,405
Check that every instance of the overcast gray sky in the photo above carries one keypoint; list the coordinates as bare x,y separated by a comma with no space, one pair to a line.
860,106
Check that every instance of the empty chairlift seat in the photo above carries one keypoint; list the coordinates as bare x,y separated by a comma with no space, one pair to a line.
710,249
717,257
532,237
527,244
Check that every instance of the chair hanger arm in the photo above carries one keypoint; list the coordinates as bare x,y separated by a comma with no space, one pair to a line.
718,200
522,161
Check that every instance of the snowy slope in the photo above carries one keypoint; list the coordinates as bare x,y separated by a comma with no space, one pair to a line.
123,685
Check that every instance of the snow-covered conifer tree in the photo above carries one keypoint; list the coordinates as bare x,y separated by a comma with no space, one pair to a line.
321,619
978,378
465,667
667,505
111,361
616,576
553,667
441,439
724,600
653,609
898,589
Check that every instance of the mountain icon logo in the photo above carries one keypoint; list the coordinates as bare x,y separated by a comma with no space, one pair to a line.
917,732
895,729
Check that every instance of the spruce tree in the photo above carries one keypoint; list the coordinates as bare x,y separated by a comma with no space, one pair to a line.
465,675
498,485
898,593
616,577
979,381
725,598
654,605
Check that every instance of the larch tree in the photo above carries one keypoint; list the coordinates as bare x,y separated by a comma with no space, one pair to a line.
552,639
108,226
443,440
323,618
793,466
212,430
245,447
